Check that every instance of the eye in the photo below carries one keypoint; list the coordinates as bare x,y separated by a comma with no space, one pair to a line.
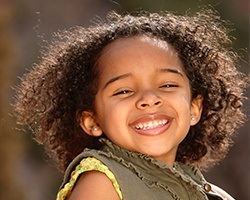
169,85
123,92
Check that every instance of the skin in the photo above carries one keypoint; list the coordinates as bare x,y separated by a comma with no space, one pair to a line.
88,189
143,103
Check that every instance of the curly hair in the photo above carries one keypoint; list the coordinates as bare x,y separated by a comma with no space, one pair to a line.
54,93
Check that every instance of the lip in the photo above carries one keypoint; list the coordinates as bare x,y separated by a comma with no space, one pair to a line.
151,124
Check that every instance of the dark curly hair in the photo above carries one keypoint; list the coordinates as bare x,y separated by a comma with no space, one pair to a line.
52,95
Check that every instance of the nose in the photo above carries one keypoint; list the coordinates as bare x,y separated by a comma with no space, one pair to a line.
149,99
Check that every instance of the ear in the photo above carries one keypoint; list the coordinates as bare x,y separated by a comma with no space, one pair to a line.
196,110
89,125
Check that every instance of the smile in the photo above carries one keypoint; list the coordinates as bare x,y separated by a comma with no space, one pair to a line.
151,124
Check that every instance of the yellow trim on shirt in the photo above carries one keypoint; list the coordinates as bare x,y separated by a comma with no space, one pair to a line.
87,164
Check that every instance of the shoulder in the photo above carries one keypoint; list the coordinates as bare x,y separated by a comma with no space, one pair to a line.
221,192
86,177
88,187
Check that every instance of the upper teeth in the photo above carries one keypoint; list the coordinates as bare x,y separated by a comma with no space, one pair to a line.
151,124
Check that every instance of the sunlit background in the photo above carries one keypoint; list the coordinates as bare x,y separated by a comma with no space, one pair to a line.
26,172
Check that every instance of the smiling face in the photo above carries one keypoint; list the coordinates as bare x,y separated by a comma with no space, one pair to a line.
143,103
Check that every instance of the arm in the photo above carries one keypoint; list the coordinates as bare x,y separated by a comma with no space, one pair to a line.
94,185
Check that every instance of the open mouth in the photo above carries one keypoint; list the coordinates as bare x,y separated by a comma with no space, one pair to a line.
151,124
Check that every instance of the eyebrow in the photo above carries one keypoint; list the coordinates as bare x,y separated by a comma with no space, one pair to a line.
117,78
168,70
175,71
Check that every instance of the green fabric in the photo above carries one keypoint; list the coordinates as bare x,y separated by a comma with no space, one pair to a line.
87,164
141,177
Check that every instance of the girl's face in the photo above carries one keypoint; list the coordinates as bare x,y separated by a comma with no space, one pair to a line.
143,103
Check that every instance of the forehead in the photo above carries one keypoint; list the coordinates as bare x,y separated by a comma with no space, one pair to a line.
138,53
145,43
135,40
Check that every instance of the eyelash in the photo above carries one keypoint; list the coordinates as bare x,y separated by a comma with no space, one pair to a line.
169,85
122,92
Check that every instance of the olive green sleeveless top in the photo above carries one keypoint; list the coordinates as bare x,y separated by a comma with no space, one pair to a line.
137,176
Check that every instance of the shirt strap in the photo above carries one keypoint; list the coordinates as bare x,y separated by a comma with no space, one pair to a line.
87,164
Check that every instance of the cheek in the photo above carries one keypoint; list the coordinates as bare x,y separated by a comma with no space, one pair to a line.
109,114
182,107
181,101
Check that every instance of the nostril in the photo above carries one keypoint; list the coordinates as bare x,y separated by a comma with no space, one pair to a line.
149,100
157,103
144,105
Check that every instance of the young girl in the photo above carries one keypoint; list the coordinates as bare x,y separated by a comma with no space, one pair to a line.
134,107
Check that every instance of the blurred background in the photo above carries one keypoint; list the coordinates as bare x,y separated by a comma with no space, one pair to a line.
26,172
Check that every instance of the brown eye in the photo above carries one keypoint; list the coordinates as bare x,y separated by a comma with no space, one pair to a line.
121,92
170,85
